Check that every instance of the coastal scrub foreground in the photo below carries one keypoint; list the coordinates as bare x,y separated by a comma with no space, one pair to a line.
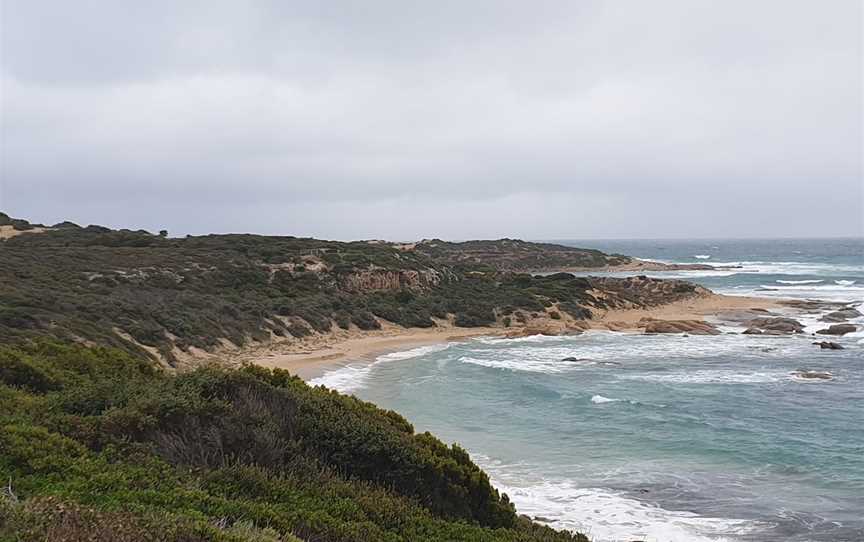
96,444
126,414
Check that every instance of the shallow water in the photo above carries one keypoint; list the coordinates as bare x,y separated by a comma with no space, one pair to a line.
660,438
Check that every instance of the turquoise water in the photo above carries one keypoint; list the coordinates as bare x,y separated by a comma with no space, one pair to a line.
660,438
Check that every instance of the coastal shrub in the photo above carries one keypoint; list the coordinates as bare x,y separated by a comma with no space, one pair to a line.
118,449
342,319
177,293
18,371
365,320
576,311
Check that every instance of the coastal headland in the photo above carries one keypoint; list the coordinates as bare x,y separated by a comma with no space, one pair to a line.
132,356
297,302
302,304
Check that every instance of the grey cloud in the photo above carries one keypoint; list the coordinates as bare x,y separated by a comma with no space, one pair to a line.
394,119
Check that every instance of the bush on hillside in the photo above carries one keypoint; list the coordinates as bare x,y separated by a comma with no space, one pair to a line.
101,445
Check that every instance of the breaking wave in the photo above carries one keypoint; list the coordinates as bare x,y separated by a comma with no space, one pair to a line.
605,515
352,377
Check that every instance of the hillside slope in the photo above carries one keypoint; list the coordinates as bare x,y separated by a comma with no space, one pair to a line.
517,255
156,296
98,445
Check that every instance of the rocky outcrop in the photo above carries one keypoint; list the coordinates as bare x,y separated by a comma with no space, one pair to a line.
842,315
692,327
386,279
812,375
549,329
828,345
838,329
773,326
737,316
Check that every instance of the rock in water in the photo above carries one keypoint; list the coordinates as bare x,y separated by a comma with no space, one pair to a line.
838,329
776,325
828,345
841,315
694,327
813,375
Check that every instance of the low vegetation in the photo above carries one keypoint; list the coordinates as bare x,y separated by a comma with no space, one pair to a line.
100,441
96,444
149,293
517,255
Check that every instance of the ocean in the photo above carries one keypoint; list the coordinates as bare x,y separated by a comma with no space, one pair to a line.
662,438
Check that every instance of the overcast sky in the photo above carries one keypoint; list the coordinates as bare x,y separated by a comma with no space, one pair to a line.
463,119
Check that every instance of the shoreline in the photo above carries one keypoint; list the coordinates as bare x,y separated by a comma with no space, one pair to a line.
697,308
360,348
342,349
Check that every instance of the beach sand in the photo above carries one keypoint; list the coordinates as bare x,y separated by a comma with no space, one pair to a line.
311,358
309,361
8,232
710,307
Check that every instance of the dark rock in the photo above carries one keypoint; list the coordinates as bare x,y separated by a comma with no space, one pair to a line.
752,331
828,345
694,327
574,359
841,315
814,375
777,324
838,329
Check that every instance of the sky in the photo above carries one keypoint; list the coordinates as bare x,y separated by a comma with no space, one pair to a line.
406,120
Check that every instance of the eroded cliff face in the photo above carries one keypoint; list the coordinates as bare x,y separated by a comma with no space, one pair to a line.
388,280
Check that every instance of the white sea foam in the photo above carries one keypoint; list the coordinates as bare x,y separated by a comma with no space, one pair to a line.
610,351
816,288
345,379
808,281
794,268
711,377
414,352
827,292
702,256
352,377
599,400
605,515
529,364
844,282
516,340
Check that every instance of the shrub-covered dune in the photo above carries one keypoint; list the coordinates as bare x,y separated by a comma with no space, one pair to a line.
149,293
96,444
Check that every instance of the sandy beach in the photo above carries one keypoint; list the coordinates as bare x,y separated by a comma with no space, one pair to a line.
697,308
309,360
312,357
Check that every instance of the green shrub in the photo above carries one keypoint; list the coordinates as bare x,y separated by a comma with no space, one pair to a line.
134,453
18,370
365,320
